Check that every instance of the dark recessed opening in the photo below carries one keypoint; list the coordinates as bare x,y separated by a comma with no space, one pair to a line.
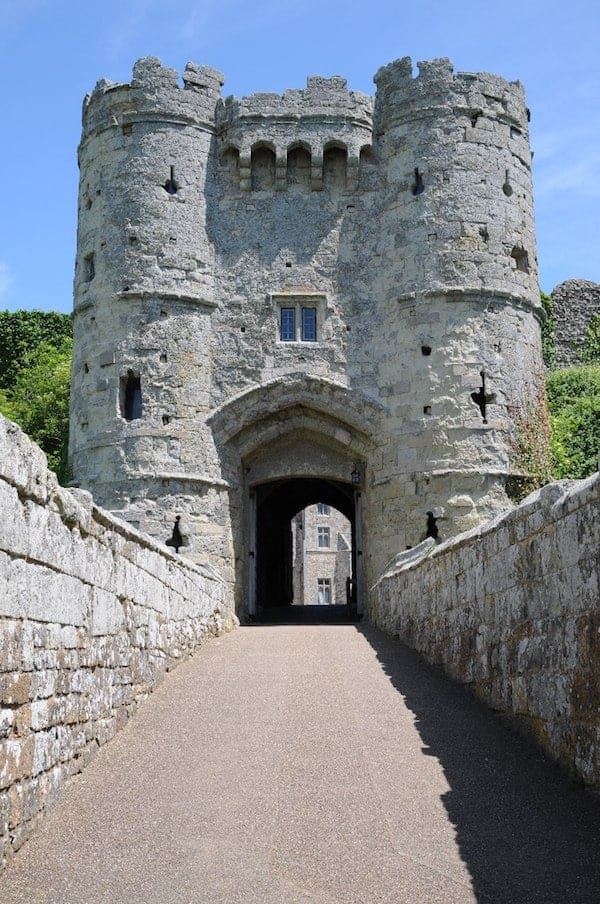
426,409
426,350
166,419
278,505
171,186
288,263
432,528
176,538
521,258
86,368
130,396
418,185
482,398
163,357
89,266
127,128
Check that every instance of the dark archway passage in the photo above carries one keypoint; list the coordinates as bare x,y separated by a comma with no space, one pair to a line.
276,504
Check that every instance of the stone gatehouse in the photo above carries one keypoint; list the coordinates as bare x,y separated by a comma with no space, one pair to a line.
316,297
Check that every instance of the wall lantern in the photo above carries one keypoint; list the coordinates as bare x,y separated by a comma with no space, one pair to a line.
355,475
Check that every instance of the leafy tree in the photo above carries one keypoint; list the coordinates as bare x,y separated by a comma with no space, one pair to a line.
564,387
22,331
574,403
39,400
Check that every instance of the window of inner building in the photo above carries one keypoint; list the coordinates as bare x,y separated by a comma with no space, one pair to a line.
131,396
323,508
323,537
288,325
309,324
324,591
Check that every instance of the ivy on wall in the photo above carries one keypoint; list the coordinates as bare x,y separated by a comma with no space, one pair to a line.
590,353
548,336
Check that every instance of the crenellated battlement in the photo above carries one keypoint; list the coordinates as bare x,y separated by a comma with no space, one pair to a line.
403,96
322,97
154,91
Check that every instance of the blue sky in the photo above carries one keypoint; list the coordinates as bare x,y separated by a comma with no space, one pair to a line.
53,51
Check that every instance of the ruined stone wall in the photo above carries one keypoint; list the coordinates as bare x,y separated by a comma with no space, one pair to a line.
513,610
92,613
575,302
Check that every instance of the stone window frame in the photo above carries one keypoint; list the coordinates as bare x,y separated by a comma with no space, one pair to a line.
324,590
323,534
299,301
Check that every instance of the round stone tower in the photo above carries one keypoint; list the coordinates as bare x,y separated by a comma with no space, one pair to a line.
300,298
144,293
455,278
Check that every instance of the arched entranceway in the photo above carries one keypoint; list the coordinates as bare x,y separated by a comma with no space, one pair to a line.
274,505
290,443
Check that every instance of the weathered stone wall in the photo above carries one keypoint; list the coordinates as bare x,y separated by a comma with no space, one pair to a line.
92,613
576,302
513,609
404,221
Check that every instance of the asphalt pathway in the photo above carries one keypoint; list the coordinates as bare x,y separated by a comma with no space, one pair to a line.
290,764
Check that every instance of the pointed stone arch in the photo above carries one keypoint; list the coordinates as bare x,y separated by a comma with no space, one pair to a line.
295,428
300,395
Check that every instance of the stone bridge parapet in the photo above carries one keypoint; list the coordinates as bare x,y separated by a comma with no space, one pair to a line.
512,609
92,613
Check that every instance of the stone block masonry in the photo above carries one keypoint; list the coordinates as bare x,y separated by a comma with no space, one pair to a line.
512,609
92,613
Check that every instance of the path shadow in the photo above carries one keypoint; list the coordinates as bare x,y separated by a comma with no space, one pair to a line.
305,615
525,835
